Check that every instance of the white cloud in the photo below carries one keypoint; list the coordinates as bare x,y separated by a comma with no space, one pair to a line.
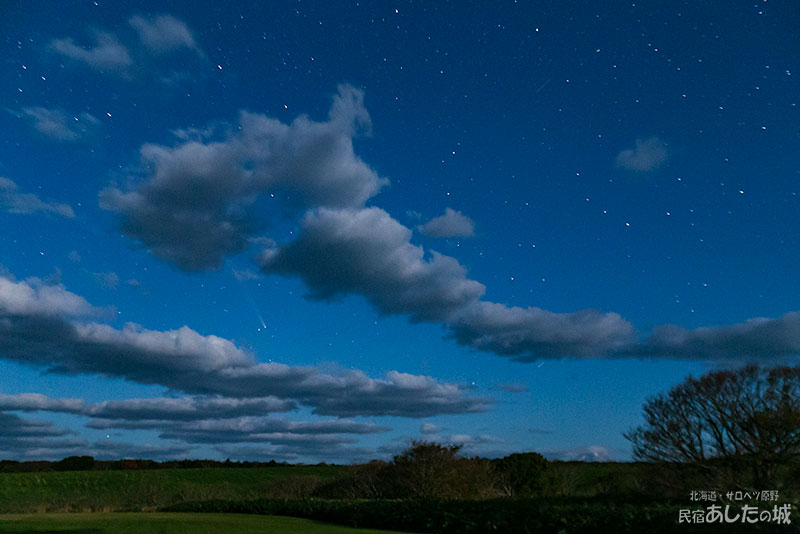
452,224
195,207
528,334
37,328
367,252
33,297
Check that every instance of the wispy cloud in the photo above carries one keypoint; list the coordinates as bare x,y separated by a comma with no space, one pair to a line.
107,54
164,33
57,124
14,201
646,156
513,387
159,48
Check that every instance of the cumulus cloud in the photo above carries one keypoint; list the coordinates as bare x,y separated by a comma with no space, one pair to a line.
163,33
33,332
198,204
194,208
755,340
452,224
647,155
12,201
369,253
58,125
528,334
32,297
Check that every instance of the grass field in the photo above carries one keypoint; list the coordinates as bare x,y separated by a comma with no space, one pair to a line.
90,491
158,523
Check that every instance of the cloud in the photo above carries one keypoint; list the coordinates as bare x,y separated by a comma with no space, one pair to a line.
163,34
429,428
159,49
13,426
187,408
164,410
12,201
109,280
48,448
204,199
246,430
309,451
755,340
32,402
528,334
514,387
591,453
181,421
245,274
208,197
195,206
367,252
106,55
32,297
32,332
58,125
647,155
452,224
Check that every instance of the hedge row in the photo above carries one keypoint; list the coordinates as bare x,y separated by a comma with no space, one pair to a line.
563,516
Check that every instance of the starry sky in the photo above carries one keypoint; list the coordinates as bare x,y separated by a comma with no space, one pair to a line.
314,231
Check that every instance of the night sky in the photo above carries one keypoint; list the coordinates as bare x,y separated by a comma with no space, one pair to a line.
314,231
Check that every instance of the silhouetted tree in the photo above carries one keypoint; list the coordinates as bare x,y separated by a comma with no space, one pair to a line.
430,470
741,426
524,473
425,470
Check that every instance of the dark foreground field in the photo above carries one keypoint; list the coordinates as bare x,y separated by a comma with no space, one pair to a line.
582,498
148,490
161,523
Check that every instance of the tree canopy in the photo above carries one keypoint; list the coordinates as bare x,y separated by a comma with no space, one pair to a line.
743,425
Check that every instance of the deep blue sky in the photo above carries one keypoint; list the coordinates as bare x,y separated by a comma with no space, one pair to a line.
314,231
